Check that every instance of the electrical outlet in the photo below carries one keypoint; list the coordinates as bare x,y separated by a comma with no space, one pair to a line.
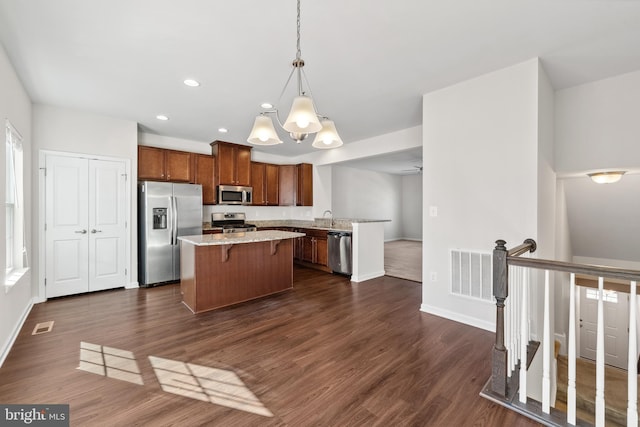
433,276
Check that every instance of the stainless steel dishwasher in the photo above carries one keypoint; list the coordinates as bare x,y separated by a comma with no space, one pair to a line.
340,251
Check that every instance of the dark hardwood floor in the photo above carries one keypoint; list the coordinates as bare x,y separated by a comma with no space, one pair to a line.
327,353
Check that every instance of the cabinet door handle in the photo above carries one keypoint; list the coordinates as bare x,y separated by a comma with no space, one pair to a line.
81,232
94,231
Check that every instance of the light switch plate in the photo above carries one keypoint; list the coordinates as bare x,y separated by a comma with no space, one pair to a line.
433,211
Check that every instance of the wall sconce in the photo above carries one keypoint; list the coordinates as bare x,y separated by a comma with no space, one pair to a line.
606,177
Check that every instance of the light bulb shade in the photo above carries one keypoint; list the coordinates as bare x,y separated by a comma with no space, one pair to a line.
328,136
263,132
302,117
606,177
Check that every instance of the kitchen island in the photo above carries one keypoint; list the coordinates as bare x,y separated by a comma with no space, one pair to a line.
217,270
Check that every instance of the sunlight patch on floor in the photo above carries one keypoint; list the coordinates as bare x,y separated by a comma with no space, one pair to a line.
218,386
109,362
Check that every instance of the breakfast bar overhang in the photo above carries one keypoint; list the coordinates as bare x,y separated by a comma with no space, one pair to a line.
217,270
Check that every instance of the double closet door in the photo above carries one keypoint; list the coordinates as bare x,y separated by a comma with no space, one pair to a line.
85,225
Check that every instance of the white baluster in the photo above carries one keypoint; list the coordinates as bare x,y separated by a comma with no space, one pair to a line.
571,356
524,335
546,348
600,357
632,393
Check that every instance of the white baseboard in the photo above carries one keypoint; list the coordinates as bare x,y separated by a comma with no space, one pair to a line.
14,333
457,317
132,285
369,276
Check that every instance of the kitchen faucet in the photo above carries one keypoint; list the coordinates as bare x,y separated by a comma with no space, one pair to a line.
330,216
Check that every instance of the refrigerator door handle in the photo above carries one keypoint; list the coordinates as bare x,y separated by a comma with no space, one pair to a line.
174,227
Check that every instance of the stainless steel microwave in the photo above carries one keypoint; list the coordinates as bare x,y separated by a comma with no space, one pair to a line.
234,195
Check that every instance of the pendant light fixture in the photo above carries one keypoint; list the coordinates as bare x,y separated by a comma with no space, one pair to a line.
302,119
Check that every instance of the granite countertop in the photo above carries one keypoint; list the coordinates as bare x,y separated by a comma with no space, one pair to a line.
338,224
236,238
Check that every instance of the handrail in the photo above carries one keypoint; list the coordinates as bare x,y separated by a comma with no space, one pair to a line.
529,245
588,269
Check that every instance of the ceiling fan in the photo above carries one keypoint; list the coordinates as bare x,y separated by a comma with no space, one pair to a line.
417,169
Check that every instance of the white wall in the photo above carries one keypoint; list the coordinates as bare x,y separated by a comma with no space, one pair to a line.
60,129
597,125
411,221
366,194
15,302
563,253
480,171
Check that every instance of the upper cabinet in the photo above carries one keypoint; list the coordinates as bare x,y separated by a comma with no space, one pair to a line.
264,180
204,174
304,191
233,163
159,164
273,185
296,185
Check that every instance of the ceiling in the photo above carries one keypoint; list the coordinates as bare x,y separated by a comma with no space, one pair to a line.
368,62
407,162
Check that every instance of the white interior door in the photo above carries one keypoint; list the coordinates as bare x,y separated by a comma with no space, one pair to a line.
107,224
66,226
85,225
616,332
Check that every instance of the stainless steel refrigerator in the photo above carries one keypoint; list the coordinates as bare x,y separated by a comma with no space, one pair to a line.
165,211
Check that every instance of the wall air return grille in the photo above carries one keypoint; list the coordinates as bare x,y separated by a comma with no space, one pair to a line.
471,274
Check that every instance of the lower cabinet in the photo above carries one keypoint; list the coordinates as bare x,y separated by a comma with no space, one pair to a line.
315,250
312,248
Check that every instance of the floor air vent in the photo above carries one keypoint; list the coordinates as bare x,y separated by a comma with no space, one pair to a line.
471,274
42,328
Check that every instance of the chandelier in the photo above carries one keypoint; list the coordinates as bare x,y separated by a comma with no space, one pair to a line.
303,118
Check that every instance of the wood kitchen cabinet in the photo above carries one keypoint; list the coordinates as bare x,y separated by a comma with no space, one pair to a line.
204,174
265,183
233,163
159,164
296,185
287,176
304,190
314,247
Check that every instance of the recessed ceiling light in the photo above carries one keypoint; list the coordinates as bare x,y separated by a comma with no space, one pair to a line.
223,130
192,83
162,117
266,105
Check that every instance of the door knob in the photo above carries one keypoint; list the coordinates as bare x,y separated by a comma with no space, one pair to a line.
94,231
81,232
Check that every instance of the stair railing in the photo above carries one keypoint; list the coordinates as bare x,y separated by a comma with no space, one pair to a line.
511,273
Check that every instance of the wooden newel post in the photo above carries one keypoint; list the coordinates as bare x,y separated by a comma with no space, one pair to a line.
500,292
